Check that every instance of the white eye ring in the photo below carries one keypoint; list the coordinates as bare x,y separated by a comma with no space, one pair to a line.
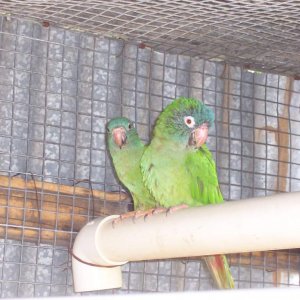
189,121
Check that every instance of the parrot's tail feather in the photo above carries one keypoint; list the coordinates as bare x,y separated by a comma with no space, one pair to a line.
220,271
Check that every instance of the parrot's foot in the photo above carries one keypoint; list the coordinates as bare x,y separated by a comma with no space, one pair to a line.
149,212
136,214
155,211
172,209
142,213
123,217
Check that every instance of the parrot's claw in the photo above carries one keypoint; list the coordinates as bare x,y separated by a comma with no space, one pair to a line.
138,214
146,213
172,209
154,211
123,217
149,213
159,210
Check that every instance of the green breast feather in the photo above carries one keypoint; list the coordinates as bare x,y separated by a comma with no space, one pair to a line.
181,177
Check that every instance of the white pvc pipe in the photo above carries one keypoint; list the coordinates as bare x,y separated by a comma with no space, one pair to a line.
87,247
257,224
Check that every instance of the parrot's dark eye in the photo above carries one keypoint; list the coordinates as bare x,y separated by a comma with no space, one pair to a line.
130,125
189,121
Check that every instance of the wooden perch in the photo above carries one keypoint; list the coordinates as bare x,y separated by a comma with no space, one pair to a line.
19,183
50,213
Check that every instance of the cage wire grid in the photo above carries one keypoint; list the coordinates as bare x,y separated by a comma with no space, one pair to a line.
59,87
259,35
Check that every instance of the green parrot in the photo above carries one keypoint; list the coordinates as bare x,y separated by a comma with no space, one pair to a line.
126,150
178,168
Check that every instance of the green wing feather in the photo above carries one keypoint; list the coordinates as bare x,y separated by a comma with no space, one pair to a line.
204,185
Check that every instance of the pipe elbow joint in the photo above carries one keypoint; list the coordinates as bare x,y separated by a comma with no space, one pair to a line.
92,270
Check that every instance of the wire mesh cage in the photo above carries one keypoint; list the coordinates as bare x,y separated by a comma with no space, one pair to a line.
253,34
67,68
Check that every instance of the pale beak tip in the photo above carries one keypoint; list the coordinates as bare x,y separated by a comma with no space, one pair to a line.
201,135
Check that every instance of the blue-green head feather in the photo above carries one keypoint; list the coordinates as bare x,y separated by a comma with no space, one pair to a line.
181,118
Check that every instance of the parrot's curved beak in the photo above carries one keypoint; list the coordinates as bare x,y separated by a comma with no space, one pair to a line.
199,136
119,136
